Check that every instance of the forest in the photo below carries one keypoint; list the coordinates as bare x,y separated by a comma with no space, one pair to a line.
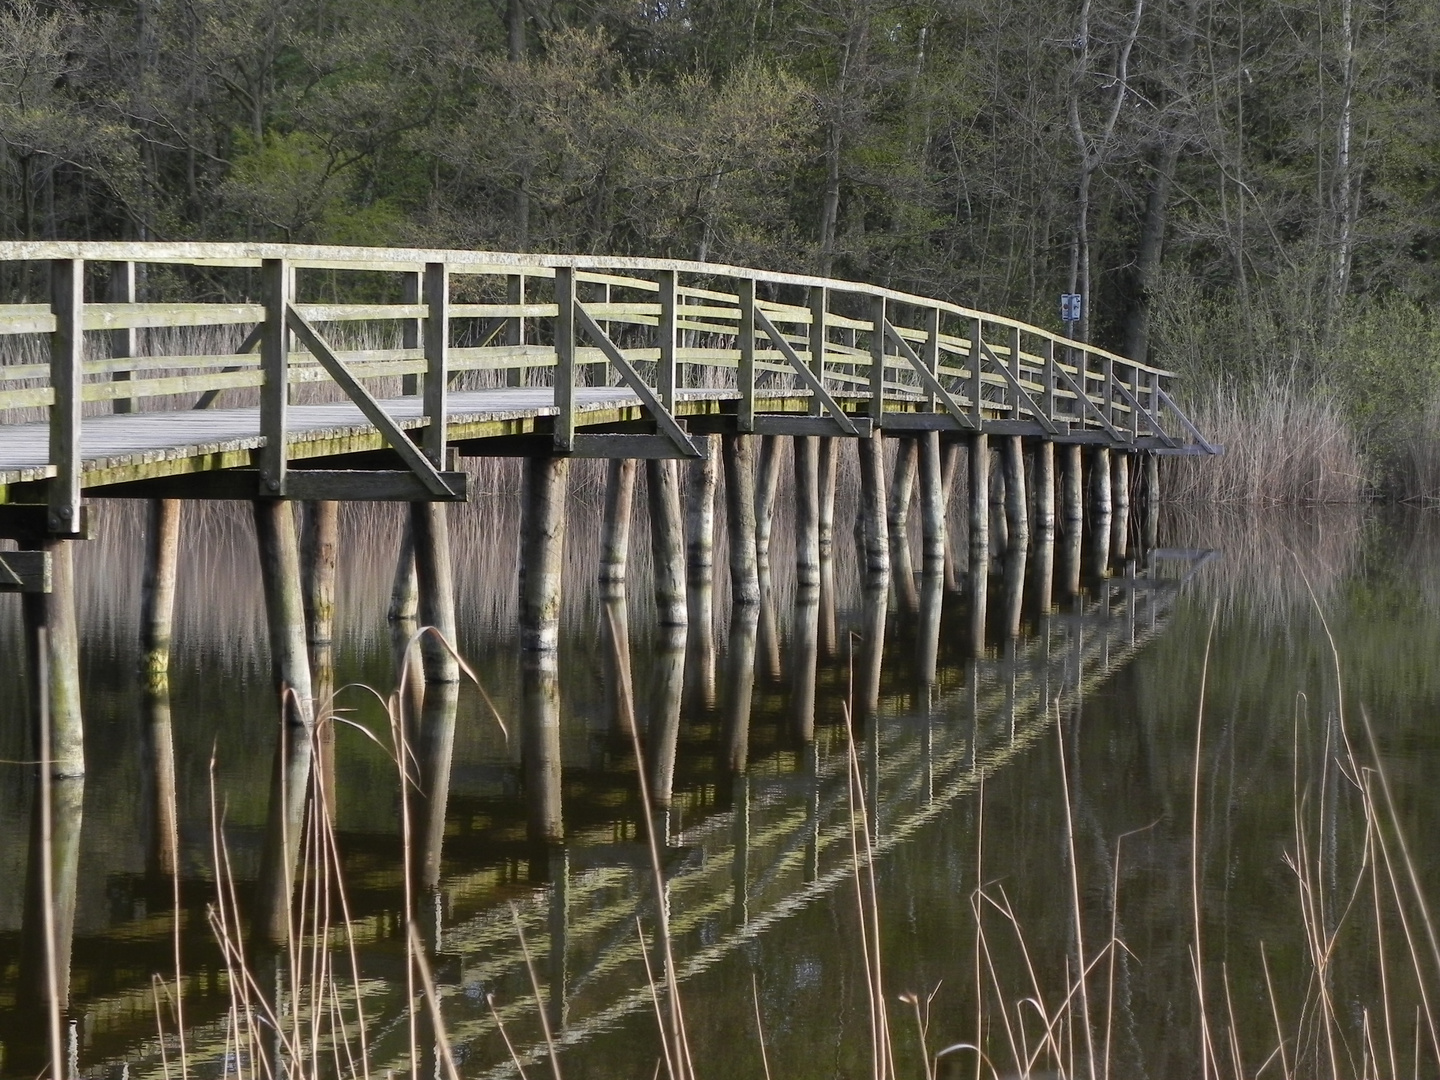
1247,191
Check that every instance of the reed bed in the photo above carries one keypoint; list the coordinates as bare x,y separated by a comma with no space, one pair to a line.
1285,444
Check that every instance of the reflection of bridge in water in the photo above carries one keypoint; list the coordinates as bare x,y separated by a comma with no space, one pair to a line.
749,841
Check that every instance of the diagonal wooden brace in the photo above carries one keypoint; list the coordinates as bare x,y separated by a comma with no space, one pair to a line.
663,420
803,370
394,434
1021,395
1084,399
1204,444
250,344
1145,413
928,378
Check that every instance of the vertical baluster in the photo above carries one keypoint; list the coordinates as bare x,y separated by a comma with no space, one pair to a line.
275,365
1012,396
1048,402
515,326
437,354
976,383
745,418
410,328
67,349
877,358
123,342
819,300
665,381
931,354
565,358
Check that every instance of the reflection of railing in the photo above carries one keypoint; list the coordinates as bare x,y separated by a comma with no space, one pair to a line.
673,339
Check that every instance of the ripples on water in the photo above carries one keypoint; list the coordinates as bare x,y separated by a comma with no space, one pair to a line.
964,766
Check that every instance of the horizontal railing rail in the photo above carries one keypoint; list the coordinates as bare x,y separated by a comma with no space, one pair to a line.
121,325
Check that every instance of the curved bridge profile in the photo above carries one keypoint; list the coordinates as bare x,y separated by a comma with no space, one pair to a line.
198,370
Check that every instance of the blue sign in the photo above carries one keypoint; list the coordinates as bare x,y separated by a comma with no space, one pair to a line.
1070,307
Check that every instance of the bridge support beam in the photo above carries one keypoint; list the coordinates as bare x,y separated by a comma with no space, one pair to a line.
704,475
739,457
829,469
667,540
542,551
157,591
615,532
979,490
875,560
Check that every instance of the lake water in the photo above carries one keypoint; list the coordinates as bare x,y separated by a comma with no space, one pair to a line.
1064,782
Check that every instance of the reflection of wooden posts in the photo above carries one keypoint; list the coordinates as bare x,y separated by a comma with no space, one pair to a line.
1012,454
932,593
52,616
559,921
1044,570
979,489
662,734
767,481
979,578
162,851
769,629
667,540
67,796
807,510
1101,500
874,540
290,670
540,746
1120,492
999,523
157,594
897,514
804,657
1014,585
829,637
872,652
615,651
433,744
740,841
615,532
739,460
810,756
542,550
1071,563
318,545
740,684
700,646
932,502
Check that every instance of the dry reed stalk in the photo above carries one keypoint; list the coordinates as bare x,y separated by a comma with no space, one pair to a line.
1081,967
47,845
1197,954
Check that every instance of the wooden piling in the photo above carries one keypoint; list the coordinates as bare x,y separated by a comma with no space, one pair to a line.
1152,501
157,590
978,579
430,524
700,675
662,734
807,511
1016,511
927,645
739,460
1101,496
615,531
804,658
932,502
704,476
872,651
290,673
1072,487
902,487
829,469
1120,493
318,546
667,541
404,589
1014,589
767,482
874,537
51,618
999,522
542,550
1044,481
979,460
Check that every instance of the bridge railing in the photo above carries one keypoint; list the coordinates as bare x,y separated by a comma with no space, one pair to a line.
122,326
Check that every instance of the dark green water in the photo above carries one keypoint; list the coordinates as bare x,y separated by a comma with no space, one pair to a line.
965,771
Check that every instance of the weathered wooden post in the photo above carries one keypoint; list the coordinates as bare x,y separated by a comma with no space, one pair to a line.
700,676
319,542
433,743
51,626
1073,487
704,476
875,541
430,524
999,523
1152,501
1120,492
1071,565
740,684
807,510
829,467
290,672
404,590
162,853
979,489
738,452
804,658
1016,511
157,591
667,540
768,631
767,481
57,926
542,550
615,531
932,596
933,500
872,651
1045,487
897,515
1014,589
979,580
1101,498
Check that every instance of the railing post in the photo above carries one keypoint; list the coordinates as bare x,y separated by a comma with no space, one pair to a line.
819,303
275,365
877,358
976,359
515,325
931,356
665,368
122,341
1082,380
1107,392
1012,396
1155,396
1049,399
565,358
745,418
67,348
410,329
437,351
1135,393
